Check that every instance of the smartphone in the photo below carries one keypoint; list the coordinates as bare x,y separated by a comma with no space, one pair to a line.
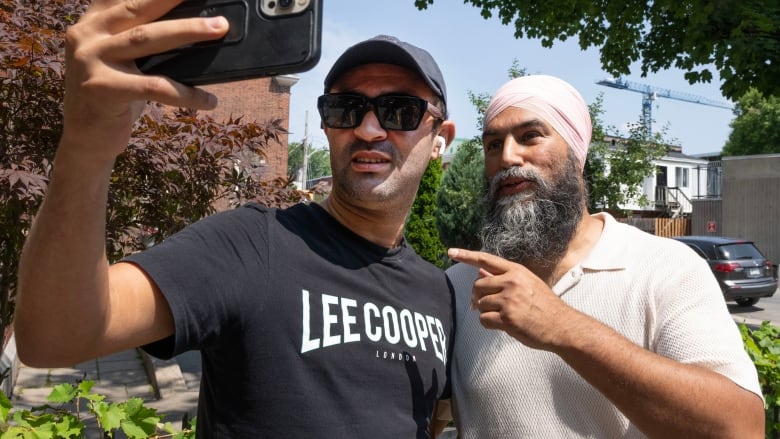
266,38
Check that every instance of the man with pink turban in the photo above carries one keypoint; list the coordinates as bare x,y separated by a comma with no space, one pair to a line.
576,325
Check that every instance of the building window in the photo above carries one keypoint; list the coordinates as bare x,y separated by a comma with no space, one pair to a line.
681,177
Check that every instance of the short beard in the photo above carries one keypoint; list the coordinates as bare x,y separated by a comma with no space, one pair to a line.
366,188
534,230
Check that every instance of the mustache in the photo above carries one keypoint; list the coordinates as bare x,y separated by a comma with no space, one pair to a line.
515,172
383,146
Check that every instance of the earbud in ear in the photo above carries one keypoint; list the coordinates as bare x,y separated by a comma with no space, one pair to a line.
442,142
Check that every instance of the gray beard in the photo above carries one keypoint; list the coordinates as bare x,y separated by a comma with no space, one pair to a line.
534,230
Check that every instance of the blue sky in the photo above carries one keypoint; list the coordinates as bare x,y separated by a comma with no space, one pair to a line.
475,54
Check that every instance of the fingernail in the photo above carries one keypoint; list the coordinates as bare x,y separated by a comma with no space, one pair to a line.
217,22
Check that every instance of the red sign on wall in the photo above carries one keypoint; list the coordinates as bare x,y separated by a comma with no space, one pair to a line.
711,227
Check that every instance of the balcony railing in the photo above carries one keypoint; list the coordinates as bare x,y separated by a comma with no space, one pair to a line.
673,200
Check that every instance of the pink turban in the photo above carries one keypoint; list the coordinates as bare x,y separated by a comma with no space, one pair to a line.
553,99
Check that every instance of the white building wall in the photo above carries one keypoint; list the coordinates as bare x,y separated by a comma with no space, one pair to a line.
672,164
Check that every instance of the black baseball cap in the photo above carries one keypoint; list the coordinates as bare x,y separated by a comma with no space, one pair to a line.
386,49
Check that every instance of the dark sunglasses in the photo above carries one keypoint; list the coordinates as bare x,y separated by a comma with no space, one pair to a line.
394,112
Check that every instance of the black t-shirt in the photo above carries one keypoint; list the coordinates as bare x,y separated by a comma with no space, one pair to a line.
305,328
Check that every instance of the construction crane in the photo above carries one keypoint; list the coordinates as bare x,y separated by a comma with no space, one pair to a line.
650,93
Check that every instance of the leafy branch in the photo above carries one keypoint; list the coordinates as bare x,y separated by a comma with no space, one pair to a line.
57,421
763,346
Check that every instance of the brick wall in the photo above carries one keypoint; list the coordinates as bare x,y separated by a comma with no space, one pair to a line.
258,100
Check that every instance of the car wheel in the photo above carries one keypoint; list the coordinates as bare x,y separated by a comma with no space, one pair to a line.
747,301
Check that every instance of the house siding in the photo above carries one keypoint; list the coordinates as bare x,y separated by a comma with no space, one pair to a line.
697,178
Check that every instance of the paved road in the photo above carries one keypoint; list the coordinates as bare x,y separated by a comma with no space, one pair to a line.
767,308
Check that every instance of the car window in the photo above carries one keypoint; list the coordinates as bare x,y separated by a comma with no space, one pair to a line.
739,251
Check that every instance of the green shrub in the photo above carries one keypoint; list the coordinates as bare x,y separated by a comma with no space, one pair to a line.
420,229
130,417
763,346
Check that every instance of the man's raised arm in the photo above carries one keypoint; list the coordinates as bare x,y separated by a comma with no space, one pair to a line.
71,306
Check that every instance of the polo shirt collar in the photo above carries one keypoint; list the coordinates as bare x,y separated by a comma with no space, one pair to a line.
608,253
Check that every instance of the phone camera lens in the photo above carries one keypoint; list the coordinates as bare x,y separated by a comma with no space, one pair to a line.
284,4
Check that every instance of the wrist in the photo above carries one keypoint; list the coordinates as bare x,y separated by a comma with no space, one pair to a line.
72,159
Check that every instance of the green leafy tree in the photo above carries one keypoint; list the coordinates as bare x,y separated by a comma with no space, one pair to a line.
756,129
459,210
420,230
596,170
294,159
741,38
178,167
615,170
318,164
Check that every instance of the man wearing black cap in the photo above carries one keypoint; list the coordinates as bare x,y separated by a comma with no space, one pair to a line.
314,321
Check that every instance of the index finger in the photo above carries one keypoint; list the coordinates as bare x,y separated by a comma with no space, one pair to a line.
159,36
118,15
485,261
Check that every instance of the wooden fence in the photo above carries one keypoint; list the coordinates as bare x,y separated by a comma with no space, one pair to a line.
667,227
670,227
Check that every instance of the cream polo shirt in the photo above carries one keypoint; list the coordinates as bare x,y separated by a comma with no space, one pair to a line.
654,291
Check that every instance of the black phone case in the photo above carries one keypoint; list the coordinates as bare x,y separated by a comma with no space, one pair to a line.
256,45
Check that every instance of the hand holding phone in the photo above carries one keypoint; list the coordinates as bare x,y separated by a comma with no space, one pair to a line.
266,38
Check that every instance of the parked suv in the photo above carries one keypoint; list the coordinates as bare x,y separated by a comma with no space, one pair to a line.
744,274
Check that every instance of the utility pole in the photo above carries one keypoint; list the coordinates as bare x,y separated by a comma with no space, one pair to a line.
305,147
